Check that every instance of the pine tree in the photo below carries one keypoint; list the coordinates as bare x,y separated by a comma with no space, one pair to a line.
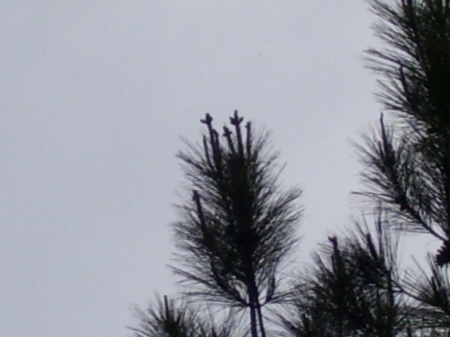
407,159
238,227
407,162
176,318
351,288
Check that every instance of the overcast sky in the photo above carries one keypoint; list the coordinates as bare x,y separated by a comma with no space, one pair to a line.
94,97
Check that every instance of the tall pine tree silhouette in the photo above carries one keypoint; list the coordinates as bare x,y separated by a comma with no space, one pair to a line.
236,230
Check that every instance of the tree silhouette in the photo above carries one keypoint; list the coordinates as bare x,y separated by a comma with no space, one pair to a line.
351,289
175,318
407,161
237,229
431,292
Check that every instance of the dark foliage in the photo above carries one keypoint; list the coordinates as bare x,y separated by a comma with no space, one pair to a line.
407,164
431,292
170,318
351,289
238,228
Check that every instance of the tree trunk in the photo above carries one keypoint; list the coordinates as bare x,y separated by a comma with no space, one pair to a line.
253,325
260,317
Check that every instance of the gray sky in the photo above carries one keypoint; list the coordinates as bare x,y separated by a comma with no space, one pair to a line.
94,96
